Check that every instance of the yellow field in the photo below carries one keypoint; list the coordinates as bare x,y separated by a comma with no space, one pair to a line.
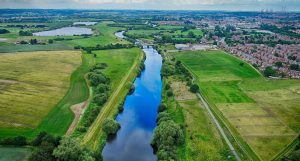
31,84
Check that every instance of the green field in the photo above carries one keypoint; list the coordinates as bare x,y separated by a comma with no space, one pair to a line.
14,153
44,78
202,140
122,70
265,113
104,35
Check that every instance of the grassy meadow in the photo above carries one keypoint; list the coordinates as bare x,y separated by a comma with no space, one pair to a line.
202,140
32,85
265,113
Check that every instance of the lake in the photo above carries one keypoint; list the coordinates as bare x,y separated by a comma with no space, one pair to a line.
65,31
85,23
138,119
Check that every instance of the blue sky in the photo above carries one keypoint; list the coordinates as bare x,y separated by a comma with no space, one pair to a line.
233,5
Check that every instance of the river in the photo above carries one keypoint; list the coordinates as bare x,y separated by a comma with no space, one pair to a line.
138,119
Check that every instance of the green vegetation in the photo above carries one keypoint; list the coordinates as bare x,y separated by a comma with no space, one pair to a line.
14,153
110,126
39,102
122,68
104,36
246,102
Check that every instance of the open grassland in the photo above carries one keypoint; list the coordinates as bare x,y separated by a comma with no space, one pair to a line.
122,69
14,153
202,140
265,113
32,85
104,35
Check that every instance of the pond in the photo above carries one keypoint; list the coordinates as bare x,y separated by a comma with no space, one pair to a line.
120,34
138,119
85,23
65,31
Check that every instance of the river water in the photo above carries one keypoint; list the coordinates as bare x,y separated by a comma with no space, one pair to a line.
138,120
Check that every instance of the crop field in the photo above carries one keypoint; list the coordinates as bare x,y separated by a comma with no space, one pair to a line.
202,139
143,33
14,153
122,70
32,84
265,113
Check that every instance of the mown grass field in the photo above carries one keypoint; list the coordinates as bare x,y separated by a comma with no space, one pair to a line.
14,153
202,140
33,87
265,113
122,70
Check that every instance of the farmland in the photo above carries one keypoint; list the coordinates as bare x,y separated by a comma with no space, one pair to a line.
14,153
32,84
263,112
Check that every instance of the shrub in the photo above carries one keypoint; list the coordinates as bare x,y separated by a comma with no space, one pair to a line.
98,78
162,107
100,99
294,67
18,141
194,88
170,93
102,88
110,126
269,71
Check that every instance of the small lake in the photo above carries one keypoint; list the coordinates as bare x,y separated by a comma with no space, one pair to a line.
120,34
85,23
65,31
138,119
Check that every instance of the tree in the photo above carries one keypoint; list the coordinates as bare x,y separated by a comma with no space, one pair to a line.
71,150
43,153
50,41
102,88
269,71
191,34
110,126
162,107
279,64
97,78
4,31
294,67
166,137
100,99
194,88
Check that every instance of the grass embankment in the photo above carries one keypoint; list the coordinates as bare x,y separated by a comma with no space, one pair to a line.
262,114
122,69
14,153
46,95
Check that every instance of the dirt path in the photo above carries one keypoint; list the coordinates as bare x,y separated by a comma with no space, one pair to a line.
78,110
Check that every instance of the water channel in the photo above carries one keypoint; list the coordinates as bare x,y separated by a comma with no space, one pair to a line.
138,119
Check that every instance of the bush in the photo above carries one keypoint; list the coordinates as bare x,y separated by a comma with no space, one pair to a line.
294,67
269,71
98,78
18,141
170,93
100,99
162,107
50,41
110,126
4,31
102,88
166,137
194,88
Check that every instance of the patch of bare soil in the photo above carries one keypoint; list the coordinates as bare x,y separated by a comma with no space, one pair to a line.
78,110
182,92
8,81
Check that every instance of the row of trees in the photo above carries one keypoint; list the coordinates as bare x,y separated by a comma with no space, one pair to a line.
4,31
51,148
105,47
101,87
